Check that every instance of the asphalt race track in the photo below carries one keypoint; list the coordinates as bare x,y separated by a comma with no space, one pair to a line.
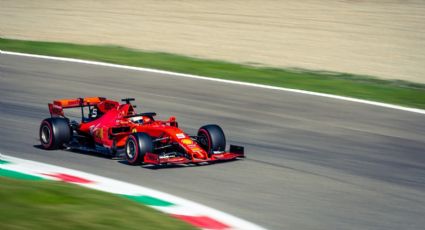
313,163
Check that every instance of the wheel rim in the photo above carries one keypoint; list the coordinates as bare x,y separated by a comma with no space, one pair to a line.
45,134
203,141
131,149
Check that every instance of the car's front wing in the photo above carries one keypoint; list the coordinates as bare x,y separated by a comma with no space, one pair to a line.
234,153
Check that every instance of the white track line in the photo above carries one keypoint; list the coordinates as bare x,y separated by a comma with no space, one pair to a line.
169,73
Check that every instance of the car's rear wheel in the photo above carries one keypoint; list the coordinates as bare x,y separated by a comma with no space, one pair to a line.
211,138
54,132
137,145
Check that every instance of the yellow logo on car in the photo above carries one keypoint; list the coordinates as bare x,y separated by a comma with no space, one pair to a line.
99,133
187,141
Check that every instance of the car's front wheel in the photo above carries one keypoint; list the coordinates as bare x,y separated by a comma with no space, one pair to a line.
137,145
211,138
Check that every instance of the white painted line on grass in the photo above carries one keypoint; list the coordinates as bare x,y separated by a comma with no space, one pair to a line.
169,73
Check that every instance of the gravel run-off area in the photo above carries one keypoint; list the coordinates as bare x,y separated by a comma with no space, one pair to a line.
384,38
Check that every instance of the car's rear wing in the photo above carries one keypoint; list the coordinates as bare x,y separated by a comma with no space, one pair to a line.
56,108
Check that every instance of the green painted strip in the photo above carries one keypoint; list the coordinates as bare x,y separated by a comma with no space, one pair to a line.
148,200
18,175
2,162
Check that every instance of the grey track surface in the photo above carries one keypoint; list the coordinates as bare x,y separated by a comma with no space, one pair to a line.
313,163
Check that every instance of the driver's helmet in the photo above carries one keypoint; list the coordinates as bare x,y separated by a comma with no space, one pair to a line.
138,119
141,119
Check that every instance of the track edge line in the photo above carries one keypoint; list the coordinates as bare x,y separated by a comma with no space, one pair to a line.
170,73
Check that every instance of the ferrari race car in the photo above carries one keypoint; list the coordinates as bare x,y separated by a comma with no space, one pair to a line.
117,130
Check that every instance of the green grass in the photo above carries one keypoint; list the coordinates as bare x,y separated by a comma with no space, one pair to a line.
45,205
363,87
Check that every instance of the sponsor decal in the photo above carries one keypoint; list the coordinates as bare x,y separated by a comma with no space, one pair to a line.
180,135
72,102
134,130
99,133
187,141
91,129
196,149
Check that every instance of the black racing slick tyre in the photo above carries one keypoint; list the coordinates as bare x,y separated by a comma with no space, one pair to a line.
54,132
137,145
211,138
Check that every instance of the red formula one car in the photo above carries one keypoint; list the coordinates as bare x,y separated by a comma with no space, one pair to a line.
116,129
